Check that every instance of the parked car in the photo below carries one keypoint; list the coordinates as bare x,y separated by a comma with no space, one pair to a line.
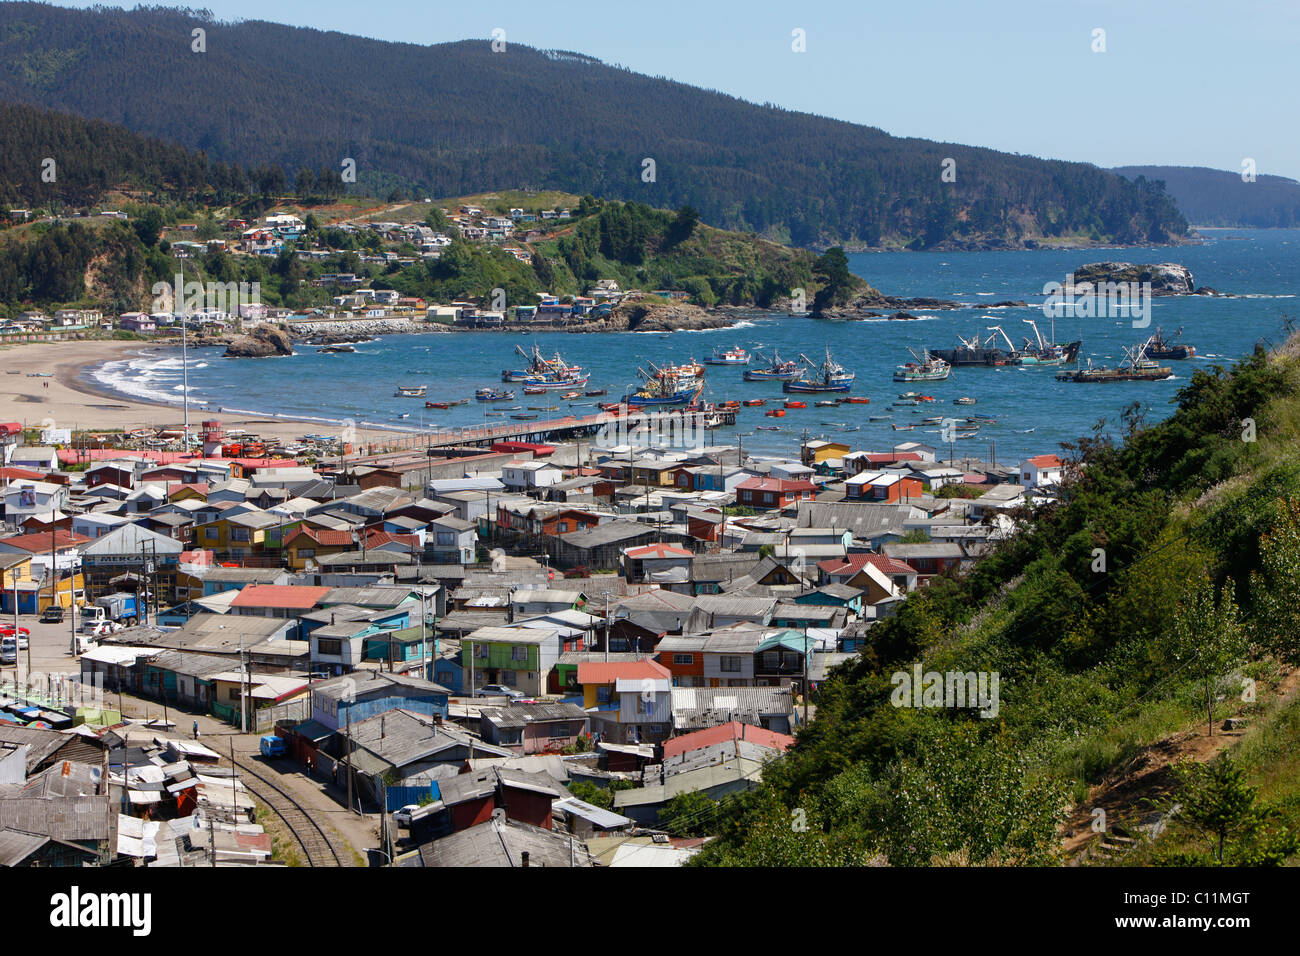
7,631
403,816
8,650
52,615
272,746
499,690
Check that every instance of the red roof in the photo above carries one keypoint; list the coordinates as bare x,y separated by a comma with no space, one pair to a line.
658,551
13,474
763,483
294,597
599,672
200,486
39,541
854,563
325,536
1045,461
377,539
734,730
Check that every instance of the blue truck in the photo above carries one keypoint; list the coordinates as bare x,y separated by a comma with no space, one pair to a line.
272,746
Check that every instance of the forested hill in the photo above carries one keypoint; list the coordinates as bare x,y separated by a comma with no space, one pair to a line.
1213,197
50,156
457,118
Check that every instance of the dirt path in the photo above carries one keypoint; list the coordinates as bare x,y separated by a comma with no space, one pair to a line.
1138,787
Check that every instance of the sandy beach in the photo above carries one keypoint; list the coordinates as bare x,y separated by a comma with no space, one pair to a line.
68,401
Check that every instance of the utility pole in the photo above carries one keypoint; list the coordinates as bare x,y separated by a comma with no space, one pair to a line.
243,696
349,757
606,627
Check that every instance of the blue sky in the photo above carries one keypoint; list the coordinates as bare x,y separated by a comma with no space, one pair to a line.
1188,83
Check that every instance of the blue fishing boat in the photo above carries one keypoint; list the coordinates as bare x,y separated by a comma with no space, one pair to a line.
828,376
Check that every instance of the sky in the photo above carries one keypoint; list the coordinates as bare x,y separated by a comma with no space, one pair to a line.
1189,83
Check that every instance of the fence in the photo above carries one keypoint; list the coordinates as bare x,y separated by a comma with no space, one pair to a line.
264,719
399,797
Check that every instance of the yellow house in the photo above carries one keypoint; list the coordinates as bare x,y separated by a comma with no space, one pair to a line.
15,568
236,536
815,452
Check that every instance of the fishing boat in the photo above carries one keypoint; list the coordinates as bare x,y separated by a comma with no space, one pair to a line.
926,368
776,370
828,376
775,413
768,428
670,385
1134,368
857,400
534,390
459,401
826,404
974,351
1158,347
570,395
524,418
411,391
1041,351
490,394
902,428
732,356
543,372
437,404
594,392
964,400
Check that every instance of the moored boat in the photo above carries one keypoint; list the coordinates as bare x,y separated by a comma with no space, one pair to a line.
670,385
828,376
732,356
776,370
1158,347
411,391
1134,368
493,395
926,368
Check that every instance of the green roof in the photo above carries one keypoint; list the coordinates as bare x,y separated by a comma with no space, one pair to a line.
790,639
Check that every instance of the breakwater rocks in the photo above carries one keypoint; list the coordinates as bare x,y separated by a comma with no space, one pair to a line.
339,331
654,315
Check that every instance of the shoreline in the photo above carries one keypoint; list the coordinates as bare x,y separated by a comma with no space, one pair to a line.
61,399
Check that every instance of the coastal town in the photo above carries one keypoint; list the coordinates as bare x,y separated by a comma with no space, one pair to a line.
493,651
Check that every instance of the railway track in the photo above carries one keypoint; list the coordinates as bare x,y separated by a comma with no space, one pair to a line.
317,847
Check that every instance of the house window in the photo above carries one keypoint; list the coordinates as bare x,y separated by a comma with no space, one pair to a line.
481,651
617,644
562,527
603,694
306,552
683,658
509,677
644,706
238,534
326,645
210,534
518,653
559,730
446,538
771,660
730,664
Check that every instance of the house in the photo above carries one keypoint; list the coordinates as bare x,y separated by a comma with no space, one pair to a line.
883,486
627,701
453,540
356,697
533,728
729,732
25,499
851,572
695,708
767,494
683,656
929,558
526,477
132,550
518,657
529,602
667,565
813,453
1042,471
287,601
505,843
831,595
729,656
140,322
43,458
713,611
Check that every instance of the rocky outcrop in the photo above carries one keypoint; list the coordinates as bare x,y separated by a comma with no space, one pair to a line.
265,340
650,314
1166,278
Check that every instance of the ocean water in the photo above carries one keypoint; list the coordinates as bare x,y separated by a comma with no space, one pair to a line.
1035,413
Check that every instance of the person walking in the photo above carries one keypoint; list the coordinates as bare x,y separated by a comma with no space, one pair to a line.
196,730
